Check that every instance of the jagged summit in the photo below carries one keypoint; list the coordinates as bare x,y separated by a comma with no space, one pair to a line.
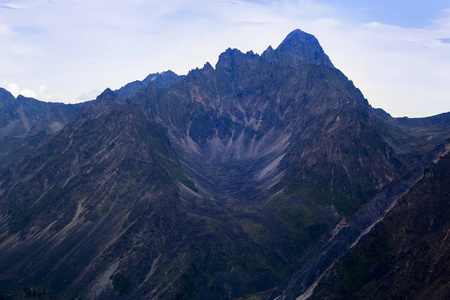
302,48
107,94
164,74
298,48
232,58
208,66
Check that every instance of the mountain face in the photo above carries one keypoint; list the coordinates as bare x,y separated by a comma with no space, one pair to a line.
306,128
24,122
247,179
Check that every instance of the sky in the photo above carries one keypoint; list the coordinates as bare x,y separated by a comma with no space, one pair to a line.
396,52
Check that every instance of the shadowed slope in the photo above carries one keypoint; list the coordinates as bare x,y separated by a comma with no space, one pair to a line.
406,256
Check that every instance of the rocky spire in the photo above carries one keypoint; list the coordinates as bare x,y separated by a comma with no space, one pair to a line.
299,48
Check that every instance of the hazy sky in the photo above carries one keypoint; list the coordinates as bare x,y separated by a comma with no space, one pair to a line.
396,51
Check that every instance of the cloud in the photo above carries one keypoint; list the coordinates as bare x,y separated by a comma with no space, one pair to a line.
41,93
9,6
445,41
28,93
400,69
89,95
13,88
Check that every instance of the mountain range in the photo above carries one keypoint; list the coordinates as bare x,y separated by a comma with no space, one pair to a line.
265,177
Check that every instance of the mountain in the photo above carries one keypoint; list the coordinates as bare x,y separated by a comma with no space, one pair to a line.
244,180
26,121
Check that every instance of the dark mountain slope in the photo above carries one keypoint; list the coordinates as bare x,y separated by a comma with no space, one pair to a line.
407,255
24,122
65,202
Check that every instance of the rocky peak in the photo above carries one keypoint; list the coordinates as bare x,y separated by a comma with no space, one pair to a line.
108,100
208,67
162,80
227,59
300,48
269,54
233,58
158,76
107,95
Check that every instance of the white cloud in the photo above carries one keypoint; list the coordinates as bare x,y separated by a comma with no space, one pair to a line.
13,88
41,93
400,69
28,93
10,5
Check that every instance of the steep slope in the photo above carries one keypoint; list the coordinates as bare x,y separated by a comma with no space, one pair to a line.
406,256
64,202
25,122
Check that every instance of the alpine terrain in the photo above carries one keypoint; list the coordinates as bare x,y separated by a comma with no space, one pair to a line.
264,177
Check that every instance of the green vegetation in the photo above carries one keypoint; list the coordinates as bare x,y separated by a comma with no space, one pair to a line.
176,170
31,292
306,225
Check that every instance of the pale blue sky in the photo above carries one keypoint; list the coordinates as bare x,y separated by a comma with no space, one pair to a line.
396,52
